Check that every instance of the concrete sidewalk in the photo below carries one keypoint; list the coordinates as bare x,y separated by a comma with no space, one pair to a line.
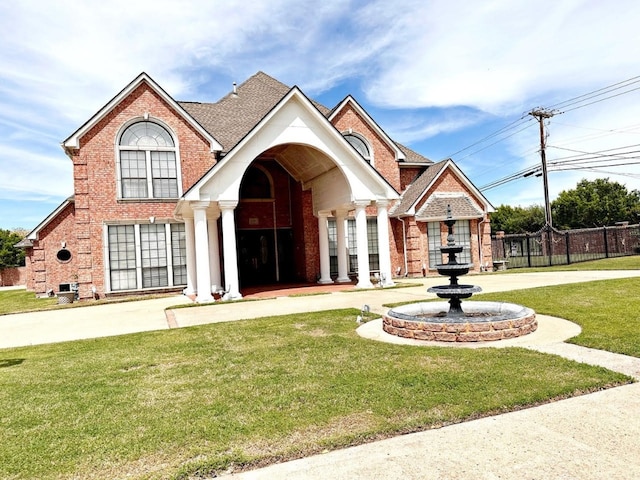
589,437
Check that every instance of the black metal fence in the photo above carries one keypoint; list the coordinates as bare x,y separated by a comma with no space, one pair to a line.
562,247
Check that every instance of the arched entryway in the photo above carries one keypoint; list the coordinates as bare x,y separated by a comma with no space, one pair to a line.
269,222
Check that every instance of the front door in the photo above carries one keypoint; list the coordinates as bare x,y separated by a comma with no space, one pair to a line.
256,257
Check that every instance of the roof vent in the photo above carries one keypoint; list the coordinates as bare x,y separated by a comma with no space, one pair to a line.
235,90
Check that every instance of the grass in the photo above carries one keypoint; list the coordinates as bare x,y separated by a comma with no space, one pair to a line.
20,301
608,311
184,402
617,263
14,301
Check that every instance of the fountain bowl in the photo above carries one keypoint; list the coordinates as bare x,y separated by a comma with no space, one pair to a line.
480,322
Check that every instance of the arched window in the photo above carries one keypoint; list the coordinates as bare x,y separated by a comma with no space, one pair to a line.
148,166
256,184
360,145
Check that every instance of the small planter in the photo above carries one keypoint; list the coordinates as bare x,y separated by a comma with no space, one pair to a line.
499,265
65,297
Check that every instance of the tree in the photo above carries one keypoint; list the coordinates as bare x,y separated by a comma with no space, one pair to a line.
10,256
517,219
595,203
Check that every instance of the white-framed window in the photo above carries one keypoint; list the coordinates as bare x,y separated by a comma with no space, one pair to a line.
360,144
352,245
147,162
144,256
462,236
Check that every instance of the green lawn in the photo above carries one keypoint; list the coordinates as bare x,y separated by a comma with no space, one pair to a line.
618,263
197,400
13,301
608,311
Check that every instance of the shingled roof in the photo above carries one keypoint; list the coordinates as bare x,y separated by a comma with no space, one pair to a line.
436,207
417,188
231,118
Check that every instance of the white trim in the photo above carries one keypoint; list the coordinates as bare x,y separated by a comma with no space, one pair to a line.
34,234
73,141
364,140
119,148
194,192
486,207
371,122
138,255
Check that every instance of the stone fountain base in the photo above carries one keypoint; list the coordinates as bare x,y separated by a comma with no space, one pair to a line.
480,322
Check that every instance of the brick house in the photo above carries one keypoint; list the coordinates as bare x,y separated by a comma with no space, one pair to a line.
265,186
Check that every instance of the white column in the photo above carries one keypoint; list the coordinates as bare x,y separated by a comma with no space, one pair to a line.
229,249
190,240
364,274
384,254
202,252
323,240
343,269
214,249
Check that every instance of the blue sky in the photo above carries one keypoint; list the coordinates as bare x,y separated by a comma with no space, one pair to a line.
438,76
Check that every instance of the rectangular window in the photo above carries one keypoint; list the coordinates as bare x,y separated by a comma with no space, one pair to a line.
333,247
179,253
122,257
133,168
462,236
154,255
140,253
164,174
352,244
372,240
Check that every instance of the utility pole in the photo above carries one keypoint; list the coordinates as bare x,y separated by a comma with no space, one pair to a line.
541,115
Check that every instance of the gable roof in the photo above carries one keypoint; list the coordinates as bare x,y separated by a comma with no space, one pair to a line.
419,188
435,208
293,94
349,100
416,189
231,118
33,234
73,141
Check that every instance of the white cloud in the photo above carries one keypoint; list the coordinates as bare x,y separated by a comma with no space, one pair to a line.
62,61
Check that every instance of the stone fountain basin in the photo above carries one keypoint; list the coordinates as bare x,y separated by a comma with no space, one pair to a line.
481,321
459,291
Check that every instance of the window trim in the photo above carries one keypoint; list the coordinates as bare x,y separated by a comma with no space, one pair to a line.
148,163
364,140
168,238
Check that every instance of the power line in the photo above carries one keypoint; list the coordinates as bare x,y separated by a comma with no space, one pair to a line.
596,93
581,160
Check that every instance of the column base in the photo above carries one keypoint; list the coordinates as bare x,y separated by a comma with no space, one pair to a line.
343,280
325,282
205,299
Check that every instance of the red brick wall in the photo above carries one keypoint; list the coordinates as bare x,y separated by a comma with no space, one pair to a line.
450,183
14,276
43,270
95,179
408,175
384,159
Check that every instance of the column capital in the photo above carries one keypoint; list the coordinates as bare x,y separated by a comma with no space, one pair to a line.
342,212
362,203
324,213
200,205
383,202
228,204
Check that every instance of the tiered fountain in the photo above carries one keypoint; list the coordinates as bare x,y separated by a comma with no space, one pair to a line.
478,322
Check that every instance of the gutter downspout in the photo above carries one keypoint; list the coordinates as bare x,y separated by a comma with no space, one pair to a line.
480,223
404,246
